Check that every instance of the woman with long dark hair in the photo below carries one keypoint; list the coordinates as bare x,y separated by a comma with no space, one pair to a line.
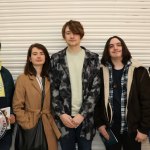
28,96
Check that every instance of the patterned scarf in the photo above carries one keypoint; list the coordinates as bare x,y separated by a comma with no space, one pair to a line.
124,80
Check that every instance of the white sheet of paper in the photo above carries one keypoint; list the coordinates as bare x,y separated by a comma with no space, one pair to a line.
6,112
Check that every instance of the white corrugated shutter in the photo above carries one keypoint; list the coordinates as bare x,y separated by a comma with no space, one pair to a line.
23,22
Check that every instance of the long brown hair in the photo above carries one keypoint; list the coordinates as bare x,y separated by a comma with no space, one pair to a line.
126,55
29,69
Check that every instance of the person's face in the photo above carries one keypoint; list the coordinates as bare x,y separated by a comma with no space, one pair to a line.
115,48
37,57
71,38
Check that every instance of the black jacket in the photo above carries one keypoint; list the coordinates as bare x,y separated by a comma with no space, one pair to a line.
7,100
9,88
138,106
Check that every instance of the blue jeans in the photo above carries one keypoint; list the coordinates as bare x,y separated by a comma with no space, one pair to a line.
69,141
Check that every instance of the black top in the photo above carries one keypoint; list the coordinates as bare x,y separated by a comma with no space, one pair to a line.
117,74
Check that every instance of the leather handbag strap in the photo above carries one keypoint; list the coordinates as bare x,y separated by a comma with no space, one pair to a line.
43,92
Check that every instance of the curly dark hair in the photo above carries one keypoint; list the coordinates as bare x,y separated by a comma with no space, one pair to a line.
126,55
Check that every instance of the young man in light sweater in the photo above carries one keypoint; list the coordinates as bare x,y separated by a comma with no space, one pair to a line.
75,86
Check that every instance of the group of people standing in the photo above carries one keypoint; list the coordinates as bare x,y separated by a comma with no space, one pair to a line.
81,94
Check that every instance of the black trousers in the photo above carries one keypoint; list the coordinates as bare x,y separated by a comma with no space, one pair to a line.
5,142
125,141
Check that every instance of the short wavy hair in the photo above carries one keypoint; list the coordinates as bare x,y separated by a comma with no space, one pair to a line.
75,27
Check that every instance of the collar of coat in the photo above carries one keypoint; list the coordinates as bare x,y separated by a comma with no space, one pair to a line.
88,54
36,85
134,64
88,57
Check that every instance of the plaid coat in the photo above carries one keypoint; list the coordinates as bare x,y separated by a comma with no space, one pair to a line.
61,90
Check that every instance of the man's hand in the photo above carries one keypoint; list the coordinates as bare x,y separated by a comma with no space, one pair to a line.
67,121
78,119
102,130
140,137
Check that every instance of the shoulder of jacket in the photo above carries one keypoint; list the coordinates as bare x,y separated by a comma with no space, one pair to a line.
22,76
91,54
5,70
137,66
136,63
141,69
57,54
102,66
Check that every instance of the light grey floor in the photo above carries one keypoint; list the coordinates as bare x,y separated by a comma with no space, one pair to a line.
98,145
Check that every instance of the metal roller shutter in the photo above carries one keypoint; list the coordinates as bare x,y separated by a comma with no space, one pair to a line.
23,22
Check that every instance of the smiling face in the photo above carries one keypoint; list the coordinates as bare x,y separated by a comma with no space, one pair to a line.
37,57
115,49
72,39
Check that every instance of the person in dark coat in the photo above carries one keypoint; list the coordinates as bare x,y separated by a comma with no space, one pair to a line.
75,86
6,95
124,104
